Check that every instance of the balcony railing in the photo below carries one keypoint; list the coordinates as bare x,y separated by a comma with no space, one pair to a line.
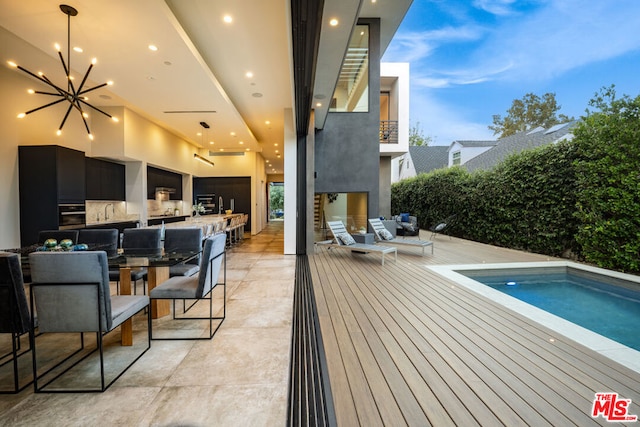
388,132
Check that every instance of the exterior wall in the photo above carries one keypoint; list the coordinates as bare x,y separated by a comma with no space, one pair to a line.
347,153
466,153
407,169
399,97
385,187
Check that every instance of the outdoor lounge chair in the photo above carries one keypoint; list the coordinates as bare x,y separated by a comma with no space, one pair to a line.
383,236
343,240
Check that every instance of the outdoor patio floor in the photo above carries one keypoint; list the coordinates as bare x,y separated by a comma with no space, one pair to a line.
405,346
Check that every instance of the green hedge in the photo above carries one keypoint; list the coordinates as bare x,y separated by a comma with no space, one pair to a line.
608,170
523,203
578,199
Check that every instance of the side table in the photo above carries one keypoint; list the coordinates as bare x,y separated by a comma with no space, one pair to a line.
366,238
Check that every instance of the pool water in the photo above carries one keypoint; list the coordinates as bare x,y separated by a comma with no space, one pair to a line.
608,310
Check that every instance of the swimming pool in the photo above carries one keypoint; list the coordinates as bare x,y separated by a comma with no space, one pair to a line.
596,307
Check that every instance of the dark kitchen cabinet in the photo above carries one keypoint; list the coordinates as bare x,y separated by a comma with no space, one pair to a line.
162,178
237,188
105,180
48,175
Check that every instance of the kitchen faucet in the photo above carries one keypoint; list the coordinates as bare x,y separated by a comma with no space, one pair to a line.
219,205
106,215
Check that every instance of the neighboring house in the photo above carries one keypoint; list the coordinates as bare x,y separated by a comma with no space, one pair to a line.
474,155
460,152
519,142
422,160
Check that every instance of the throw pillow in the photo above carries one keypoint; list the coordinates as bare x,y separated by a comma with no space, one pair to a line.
385,234
346,239
404,217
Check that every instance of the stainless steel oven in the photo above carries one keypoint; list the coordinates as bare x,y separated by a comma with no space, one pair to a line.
208,202
71,215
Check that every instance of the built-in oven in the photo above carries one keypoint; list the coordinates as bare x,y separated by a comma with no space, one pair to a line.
208,202
71,215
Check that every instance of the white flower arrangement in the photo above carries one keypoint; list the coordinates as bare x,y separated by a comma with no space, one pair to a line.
198,209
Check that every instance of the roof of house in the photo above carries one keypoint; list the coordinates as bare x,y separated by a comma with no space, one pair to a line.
427,158
470,143
519,142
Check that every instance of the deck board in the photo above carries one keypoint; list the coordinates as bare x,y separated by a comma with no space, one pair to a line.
405,346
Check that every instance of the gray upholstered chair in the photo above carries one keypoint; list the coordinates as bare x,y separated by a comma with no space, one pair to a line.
97,239
14,320
183,240
198,287
138,241
70,293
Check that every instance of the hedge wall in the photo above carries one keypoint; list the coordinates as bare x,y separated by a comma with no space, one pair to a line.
578,199
527,202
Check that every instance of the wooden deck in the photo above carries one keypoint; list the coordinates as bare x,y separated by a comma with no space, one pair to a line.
405,346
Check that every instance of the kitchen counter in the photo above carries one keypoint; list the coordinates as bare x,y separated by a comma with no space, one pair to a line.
159,219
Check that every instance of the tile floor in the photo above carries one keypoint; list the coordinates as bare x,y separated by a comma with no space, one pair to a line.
239,378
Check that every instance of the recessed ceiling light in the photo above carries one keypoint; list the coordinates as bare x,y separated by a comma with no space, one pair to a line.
153,47
318,104
241,142
228,19
78,49
248,74
199,134
275,145
211,142
333,22
277,151
267,122
248,149
233,134
222,149
256,95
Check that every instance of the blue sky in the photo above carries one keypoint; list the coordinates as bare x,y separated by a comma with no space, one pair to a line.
471,59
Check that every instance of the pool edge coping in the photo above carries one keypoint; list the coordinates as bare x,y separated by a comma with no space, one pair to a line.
609,348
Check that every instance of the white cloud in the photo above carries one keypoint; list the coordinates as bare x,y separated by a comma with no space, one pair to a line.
496,7
561,37
418,46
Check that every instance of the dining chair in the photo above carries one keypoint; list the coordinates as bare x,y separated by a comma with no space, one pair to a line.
70,293
197,288
138,241
15,321
184,240
100,239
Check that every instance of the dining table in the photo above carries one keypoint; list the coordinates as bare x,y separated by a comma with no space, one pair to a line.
157,265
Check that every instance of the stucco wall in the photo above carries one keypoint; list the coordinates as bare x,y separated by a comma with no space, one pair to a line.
347,156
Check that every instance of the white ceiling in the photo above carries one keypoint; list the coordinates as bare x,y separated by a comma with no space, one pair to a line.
201,62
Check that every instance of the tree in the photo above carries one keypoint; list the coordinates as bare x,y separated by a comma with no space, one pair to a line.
417,137
528,113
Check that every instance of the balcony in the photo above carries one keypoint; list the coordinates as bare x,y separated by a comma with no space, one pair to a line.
388,132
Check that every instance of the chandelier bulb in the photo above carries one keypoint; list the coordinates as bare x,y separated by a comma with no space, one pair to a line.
59,132
58,48
115,119
91,137
94,61
21,115
31,91
12,64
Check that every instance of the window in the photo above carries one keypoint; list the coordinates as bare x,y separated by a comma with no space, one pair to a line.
456,158
352,90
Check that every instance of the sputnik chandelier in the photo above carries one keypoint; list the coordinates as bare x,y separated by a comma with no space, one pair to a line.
74,96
